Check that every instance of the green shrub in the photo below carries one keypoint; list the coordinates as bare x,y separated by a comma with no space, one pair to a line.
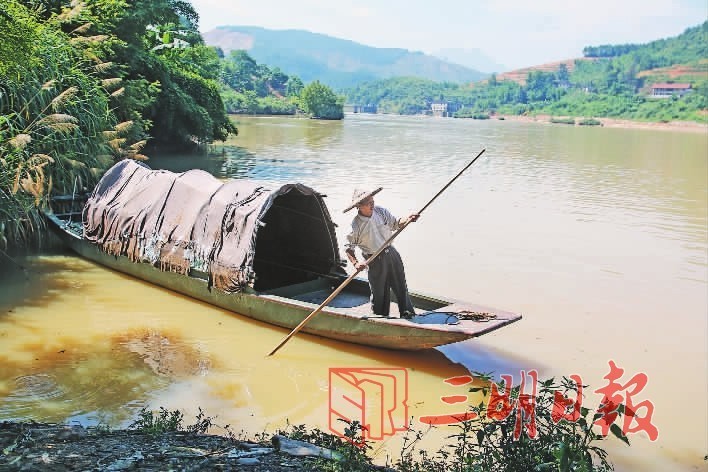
483,444
156,423
168,421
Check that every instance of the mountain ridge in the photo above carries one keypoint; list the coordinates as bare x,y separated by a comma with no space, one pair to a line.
334,61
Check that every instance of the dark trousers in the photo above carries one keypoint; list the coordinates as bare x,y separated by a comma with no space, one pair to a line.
386,273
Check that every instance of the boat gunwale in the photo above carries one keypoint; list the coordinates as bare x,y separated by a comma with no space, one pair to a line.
433,335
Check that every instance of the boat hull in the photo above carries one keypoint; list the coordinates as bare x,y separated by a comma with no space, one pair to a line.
283,308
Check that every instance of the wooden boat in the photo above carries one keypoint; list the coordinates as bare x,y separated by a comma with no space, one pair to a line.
292,268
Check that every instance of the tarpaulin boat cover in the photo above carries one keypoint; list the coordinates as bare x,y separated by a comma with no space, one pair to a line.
191,220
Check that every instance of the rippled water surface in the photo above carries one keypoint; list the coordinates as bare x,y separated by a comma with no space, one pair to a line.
598,236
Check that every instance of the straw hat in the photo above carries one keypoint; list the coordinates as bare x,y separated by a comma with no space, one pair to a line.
360,195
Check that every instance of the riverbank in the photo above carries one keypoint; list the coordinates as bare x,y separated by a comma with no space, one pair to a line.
43,446
683,126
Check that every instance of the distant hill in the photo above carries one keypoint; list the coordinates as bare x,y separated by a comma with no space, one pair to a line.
519,75
472,58
679,71
680,57
336,62
610,81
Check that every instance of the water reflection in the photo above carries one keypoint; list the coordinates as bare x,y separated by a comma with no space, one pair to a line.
322,134
222,161
95,379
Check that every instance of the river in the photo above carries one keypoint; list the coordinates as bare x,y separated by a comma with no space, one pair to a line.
597,236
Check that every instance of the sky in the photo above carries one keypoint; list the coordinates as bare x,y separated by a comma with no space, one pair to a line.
514,33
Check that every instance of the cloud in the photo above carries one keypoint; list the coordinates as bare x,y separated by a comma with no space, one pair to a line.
361,12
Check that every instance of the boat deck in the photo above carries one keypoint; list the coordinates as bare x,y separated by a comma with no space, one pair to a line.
354,301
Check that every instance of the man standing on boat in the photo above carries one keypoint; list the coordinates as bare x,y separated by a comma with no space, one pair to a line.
371,228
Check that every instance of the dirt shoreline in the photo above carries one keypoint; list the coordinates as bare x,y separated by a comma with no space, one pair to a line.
59,447
684,126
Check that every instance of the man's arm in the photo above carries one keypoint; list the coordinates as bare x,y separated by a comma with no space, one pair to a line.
351,255
410,219
396,223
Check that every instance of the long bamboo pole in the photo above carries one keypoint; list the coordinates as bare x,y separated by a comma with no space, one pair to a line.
368,261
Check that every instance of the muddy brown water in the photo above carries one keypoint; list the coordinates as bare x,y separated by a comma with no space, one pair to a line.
597,236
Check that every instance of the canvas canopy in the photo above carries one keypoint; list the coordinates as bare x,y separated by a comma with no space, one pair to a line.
239,232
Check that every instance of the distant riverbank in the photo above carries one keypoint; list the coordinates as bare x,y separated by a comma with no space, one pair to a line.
685,126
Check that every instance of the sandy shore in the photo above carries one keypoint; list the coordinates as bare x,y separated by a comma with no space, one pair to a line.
685,126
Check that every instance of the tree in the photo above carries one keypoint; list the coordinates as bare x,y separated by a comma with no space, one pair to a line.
163,46
320,101
156,51
278,81
294,86
239,71
249,87
540,86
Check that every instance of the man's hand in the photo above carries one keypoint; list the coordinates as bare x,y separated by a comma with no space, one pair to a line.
360,265
413,217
